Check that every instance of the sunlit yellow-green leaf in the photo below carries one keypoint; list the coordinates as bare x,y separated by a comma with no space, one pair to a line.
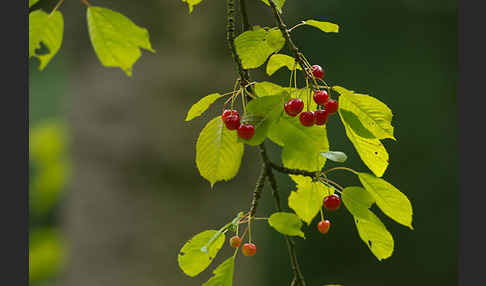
370,228
32,2
302,146
262,112
266,88
370,150
46,29
307,200
369,113
223,274
286,223
192,260
278,61
116,39
327,27
191,4
255,46
202,105
389,199
218,152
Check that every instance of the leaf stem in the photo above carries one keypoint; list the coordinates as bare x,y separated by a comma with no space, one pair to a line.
340,168
56,7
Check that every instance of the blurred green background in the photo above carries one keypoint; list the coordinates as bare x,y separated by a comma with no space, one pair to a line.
114,192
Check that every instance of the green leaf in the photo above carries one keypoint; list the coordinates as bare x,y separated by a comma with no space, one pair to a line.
223,274
218,152
335,156
371,151
191,259
266,88
254,47
191,4
307,200
302,146
370,228
32,2
202,105
278,61
286,223
389,199
373,115
116,39
47,29
278,3
262,112
327,27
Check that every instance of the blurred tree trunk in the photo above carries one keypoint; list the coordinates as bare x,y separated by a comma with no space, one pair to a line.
136,195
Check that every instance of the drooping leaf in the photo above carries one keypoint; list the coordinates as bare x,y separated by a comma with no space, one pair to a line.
262,112
372,114
202,105
327,27
223,274
116,39
370,228
278,61
255,46
286,223
46,29
307,200
32,2
191,259
302,146
335,156
389,199
370,150
278,3
266,88
191,4
218,152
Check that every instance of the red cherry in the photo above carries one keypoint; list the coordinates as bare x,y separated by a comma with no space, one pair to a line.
317,71
331,106
246,131
332,202
235,241
320,116
248,249
232,122
323,226
307,118
294,106
228,112
321,97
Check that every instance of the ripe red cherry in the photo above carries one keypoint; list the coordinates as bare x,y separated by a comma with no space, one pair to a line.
321,97
320,116
232,122
248,249
228,112
317,71
332,202
307,118
235,241
331,106
246,131
294,106
323,226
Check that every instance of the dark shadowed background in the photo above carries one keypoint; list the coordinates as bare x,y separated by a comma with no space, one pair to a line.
114,188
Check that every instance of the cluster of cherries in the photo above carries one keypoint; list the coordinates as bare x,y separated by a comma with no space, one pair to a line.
331,203
319,117
231,119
